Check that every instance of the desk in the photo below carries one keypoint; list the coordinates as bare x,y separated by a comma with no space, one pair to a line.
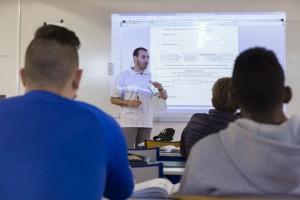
178,171
173,167
172,164
173,170
184,197
170,156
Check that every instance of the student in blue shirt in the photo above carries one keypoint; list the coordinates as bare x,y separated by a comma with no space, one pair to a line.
51,146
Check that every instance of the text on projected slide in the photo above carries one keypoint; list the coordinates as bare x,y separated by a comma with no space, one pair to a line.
188,60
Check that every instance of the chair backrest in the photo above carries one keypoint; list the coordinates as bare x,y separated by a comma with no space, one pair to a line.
155,143
151,153
147,172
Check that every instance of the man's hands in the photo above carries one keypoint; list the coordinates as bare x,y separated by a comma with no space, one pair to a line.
124,102
133,103
156,84
162,92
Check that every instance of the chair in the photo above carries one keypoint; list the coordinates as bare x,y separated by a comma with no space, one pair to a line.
152,153
147,171
155,143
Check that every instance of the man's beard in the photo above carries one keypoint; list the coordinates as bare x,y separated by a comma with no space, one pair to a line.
142,66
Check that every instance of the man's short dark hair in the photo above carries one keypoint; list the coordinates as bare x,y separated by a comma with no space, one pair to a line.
258,80
136,51
52,56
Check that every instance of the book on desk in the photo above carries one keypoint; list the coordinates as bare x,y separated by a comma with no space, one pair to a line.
159,188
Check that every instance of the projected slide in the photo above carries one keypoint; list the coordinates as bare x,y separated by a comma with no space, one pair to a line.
189,59
190,51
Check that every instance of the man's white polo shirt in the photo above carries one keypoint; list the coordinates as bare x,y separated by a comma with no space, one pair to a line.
134,85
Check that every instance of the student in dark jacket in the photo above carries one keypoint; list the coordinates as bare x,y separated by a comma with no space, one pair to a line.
203,124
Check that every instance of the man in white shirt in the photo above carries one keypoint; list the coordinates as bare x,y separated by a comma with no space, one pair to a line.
133,92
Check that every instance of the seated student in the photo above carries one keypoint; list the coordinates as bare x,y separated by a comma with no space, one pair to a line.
257,155
202,124
51,146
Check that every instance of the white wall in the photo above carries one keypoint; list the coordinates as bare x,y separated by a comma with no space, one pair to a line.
9,47
91,20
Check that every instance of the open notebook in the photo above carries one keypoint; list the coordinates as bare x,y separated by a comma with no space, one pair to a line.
158,188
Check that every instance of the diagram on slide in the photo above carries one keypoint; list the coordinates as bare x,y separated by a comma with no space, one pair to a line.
188,60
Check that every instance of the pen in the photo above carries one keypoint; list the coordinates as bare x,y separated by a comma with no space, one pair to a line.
141,104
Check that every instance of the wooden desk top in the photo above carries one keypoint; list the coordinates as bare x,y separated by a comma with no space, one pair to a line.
184,197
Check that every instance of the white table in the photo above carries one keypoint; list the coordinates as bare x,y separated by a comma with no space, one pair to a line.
173,167
169,154
173,171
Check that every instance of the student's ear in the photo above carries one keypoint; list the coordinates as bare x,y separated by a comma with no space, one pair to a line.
22,76
76,79
287,94
134,59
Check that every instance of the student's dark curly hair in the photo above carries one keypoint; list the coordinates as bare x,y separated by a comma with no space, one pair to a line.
258,80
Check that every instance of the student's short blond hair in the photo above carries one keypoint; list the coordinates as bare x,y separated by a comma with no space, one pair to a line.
222,95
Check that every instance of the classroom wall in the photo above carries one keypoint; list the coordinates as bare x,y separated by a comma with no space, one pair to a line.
91,20
9,47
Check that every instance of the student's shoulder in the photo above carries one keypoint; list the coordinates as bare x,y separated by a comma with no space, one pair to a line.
209,142
199,116
206,151
199,121
95,112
